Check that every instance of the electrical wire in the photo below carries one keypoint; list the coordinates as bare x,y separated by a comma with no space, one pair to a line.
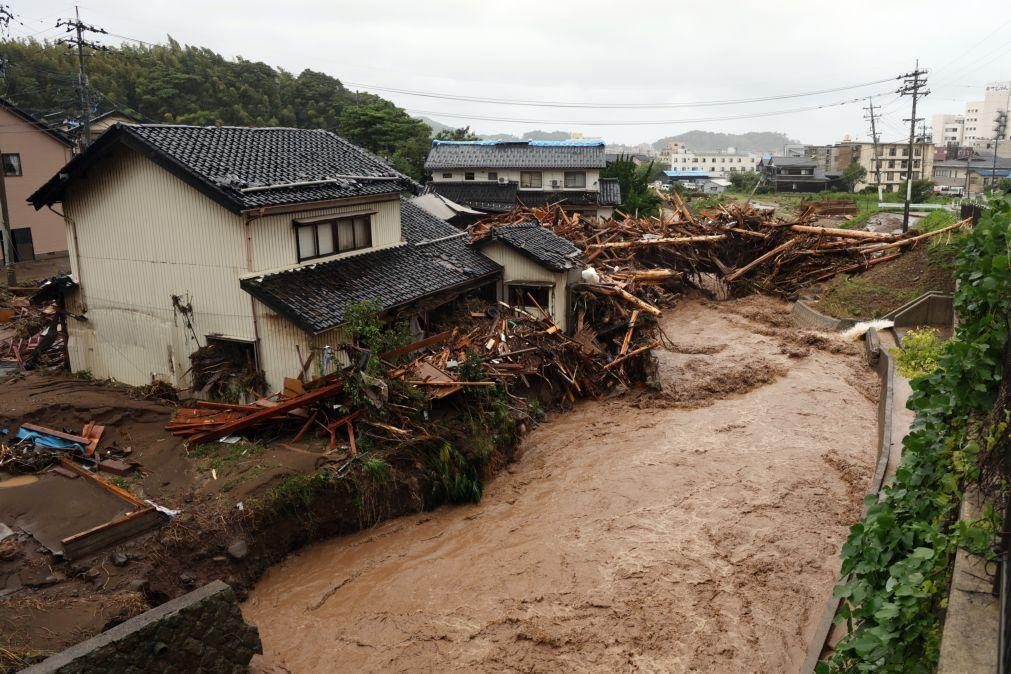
612,106
584,122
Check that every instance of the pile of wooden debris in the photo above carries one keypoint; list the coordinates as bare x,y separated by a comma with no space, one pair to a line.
746,249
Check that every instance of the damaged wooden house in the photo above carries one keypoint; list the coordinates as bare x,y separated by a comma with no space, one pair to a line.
495,176
256,240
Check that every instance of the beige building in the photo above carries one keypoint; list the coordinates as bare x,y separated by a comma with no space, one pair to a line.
538,268
893,160
255,240
32,152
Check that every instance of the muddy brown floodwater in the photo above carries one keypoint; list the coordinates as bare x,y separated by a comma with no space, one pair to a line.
692,530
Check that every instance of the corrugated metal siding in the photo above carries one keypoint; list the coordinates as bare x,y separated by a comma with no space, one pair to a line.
274,239
144,236
517,267
279,355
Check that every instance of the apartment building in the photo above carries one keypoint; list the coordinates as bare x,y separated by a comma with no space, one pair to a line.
975,127
893,160
714,164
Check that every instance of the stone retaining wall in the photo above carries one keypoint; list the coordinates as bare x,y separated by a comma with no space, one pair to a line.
202,631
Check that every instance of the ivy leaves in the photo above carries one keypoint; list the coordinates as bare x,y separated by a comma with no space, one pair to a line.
896,562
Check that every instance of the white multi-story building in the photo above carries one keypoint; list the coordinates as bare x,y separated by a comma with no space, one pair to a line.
975,128
715,164
948,129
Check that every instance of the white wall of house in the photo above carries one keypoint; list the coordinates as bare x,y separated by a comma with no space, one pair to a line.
518,268
513,175
138,235
142,236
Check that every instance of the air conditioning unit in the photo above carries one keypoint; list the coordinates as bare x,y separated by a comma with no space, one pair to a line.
503,180
556,183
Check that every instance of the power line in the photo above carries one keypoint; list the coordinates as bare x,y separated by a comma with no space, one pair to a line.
79,44
654,122
610,106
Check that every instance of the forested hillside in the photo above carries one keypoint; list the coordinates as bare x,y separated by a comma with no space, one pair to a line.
190,85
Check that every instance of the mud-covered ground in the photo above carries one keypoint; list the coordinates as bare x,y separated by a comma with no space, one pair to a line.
696,529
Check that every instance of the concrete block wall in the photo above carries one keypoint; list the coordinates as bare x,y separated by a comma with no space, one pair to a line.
202,631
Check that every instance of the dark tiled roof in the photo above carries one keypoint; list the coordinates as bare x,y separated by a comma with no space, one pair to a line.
610,192
539,244
245,168
515,154
484,196
793,161
315,296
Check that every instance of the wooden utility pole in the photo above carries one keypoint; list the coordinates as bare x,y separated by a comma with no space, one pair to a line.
874,140
914,85
7,237
999,131
79,44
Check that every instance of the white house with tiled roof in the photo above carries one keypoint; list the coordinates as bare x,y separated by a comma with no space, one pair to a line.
495,176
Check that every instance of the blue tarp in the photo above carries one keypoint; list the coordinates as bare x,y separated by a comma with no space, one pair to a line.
48,441
686,174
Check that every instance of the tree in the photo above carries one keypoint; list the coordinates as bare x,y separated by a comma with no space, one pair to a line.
853,174
744,181
179,84
1004,185
456,134
636,194
922,190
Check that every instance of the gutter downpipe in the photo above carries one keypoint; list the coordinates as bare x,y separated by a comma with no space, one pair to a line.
246,222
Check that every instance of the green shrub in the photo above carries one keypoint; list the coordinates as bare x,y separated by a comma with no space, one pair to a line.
376,468
919,353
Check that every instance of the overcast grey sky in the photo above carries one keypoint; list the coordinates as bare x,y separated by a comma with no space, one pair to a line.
636,51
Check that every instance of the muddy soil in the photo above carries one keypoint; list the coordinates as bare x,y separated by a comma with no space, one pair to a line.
697,531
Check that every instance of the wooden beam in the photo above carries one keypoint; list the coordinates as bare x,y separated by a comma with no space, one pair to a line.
268,413
760,259
842,233
674,240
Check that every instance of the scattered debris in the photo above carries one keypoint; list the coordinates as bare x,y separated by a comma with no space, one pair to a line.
741,247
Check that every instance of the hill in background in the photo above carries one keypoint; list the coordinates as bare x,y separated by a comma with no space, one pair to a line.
708,141
178,84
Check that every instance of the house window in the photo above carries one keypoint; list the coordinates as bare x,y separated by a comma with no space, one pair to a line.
530,178
520,296
447,175
891,152
575,179
492,175
12,164
326,237
469,175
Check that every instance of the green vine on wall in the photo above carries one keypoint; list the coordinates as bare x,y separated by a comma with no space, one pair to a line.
897,560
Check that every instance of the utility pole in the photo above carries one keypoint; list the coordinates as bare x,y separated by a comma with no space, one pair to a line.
79,44
999,131
914,84
8,240
874,140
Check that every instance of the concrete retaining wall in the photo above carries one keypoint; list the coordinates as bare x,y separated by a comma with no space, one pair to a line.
928,309
202,631
804,316
885,366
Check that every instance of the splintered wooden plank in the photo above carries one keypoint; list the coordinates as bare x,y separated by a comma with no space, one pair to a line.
268,413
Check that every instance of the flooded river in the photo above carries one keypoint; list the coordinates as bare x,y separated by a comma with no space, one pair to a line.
694,530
